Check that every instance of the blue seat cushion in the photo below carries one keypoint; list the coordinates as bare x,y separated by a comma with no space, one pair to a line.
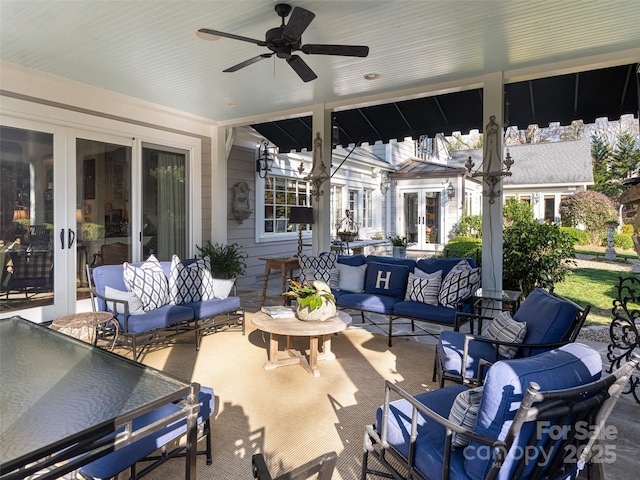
431,313
549,318
432,265
386,279
569,366
368,302
162,317
217,306
119,460
410,263
430,441
450,348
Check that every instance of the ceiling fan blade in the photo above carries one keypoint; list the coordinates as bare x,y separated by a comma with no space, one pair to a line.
297,24
302,69
345,50
246,63
206,33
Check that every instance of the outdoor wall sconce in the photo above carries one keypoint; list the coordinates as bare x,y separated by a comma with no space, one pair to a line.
266,157
451,191
319,173
385,183
300,216
491,159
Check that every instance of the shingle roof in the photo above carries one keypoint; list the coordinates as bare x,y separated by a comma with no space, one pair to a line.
567,162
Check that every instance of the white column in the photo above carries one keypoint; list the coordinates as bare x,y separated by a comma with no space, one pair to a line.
218,185
493,105
321,122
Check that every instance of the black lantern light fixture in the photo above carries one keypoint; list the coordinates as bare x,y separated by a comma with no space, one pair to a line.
300,216
266,157
451,191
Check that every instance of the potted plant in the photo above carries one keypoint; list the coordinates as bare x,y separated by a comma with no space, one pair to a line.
227,261
315,301
347,236
399,246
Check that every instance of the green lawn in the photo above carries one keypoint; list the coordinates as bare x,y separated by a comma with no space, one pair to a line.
595,287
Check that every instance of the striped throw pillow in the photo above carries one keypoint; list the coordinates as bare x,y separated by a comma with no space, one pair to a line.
464,412
504,329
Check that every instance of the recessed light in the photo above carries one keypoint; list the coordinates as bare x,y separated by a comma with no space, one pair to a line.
202,34
232,104
372,76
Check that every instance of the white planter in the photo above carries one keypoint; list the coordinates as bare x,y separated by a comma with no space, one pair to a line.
400,252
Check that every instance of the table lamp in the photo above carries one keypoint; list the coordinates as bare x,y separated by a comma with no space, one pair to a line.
301,216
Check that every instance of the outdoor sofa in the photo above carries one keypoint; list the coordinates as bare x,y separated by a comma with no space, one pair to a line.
155,301
432,291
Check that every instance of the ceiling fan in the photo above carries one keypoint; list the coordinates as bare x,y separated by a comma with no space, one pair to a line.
286,39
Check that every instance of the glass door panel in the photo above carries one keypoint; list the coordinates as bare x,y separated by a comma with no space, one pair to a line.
164,203
422,218
431,217
411,218
103,186
26,219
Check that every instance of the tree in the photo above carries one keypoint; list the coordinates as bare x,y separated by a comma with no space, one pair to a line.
592,209
614,163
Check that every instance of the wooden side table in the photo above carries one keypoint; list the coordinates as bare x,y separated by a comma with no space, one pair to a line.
76,324
292,327
286,265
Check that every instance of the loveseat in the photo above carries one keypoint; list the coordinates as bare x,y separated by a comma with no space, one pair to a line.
154,301
427,290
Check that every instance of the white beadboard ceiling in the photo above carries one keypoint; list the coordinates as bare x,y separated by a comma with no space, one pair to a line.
147,49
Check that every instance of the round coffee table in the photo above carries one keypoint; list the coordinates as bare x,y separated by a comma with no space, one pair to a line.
75,323
292,327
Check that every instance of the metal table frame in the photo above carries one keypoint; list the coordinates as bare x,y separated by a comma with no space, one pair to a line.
38,400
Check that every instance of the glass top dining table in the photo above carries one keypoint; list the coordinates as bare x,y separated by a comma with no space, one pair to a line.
60,397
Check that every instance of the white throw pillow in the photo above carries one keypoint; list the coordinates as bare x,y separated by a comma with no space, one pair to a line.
135,305
148,282
505,329
424,289
351,279
190,281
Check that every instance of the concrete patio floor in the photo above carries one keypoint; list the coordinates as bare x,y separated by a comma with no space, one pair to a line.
625,417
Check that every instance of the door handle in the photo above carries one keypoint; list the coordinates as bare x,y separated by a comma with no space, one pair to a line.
71,238
62,238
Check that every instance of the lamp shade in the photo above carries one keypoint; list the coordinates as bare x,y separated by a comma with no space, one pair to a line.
301,215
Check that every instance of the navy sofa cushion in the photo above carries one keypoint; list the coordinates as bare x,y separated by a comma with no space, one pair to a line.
568,366
407,262
450,348
164,316
209,308
366,301
432,265
119,460
430,441
431,313
386,279
351,260
548,317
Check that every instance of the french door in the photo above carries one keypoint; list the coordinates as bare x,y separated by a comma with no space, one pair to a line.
422,218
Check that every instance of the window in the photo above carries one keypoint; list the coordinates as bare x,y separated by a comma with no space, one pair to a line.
367,209
337,212
280,194
549,209
525,199
353,205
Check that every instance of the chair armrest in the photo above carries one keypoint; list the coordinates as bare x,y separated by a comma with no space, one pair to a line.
94,294
449,426
463,317
94,262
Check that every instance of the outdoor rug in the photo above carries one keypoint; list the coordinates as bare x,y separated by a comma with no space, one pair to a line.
286,414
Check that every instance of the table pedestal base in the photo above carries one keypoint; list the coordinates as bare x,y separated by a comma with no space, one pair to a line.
296,357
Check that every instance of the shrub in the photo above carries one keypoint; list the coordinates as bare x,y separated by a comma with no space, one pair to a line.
469,226
535,255
627,229
593,209
623,241
515,211
464,247
580,237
